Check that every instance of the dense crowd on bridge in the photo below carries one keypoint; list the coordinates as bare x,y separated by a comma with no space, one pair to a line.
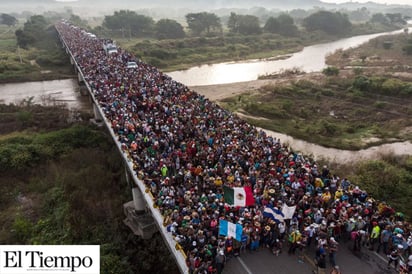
186,148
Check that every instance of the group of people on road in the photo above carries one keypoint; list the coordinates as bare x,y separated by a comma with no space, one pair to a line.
185,148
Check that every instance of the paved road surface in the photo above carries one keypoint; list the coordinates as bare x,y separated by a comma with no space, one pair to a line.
263,262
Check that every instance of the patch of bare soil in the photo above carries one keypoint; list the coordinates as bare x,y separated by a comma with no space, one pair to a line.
243,115
220,92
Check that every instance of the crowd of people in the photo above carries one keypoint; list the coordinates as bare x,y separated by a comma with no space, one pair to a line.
185,148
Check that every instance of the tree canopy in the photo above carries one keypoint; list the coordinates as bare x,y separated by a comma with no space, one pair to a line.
32,32
283,25
168,28
126,20
78,21
379,18
329,22
202,22
6,19
244,24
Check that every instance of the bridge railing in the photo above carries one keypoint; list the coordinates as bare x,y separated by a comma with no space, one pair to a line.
173,246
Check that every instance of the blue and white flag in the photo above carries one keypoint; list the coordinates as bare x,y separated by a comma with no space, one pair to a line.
274,214
230,229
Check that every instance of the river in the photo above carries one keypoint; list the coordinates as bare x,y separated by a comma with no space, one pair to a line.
45,92
311,58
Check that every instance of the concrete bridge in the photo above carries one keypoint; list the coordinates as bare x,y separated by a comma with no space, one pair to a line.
141,215
144,218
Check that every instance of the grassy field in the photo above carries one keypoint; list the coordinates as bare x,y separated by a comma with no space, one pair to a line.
45,61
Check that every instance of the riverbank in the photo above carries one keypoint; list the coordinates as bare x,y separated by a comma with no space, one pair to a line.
220,92
181,54
363,120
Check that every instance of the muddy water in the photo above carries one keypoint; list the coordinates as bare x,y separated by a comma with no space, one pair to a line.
311,58
45,92
343,156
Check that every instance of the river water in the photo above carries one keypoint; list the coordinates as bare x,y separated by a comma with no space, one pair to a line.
45,92
311,58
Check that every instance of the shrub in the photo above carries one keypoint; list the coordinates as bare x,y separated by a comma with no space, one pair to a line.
361,83
379,104
331,71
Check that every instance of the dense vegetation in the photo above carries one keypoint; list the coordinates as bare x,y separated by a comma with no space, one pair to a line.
173,54
241,36
350,113
65,186
32,52
389,180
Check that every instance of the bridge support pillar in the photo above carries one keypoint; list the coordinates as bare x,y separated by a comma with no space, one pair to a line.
138,200
137,219
83,90
97,116
80,77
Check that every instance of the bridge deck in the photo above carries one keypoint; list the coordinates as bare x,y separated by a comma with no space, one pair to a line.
184,148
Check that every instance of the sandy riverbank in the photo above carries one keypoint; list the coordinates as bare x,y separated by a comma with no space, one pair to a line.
222,91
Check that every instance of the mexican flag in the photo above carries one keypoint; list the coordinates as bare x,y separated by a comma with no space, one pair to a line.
238,196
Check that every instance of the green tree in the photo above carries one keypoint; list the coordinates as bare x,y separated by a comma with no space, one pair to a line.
379,18
6,19
329,22
244,24
134,24
396,18
249,24
408,47
34,30
361,82
359,15
78,21
233,23
272,25
283,24
24,39
331,71
202,22
168,28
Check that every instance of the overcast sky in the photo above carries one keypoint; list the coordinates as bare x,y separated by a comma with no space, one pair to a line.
406,2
